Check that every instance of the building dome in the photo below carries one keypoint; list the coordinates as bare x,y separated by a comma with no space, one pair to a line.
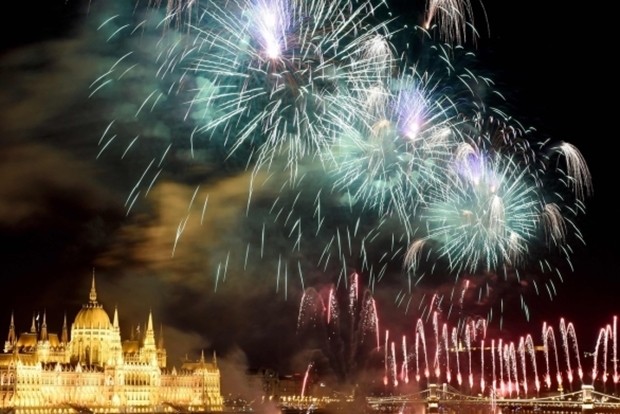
92,315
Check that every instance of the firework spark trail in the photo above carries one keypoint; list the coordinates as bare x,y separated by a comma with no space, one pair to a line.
549,336
353,293
302,307
604,337
293,81
484,215
311,305
393,364
436,365
345,335
405,369
382,156
421,339
468,341
515,372
332,307
558,373
577,172
482,382
305,382
274,68
369,318
616,377
455,345
500,349
385,358
508,359
494,383
452,18
446,344
554,225
462,299
507,365
529,346
564,335
545,338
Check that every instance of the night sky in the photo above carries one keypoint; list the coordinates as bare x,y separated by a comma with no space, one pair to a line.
63,208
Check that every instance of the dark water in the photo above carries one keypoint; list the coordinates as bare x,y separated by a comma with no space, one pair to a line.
420,409
461,410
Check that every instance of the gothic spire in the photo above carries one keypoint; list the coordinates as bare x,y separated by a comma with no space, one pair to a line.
12,337
148,337
93,293
149,326
64,336
44,327
115,323
33,328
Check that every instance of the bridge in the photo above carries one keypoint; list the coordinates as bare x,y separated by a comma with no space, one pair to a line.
586,401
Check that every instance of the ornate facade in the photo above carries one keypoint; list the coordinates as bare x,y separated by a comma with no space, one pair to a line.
90,367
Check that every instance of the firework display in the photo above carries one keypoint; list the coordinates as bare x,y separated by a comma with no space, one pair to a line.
465,356
411,140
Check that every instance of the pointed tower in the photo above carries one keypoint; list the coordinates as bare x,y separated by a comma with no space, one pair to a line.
12,338
44,335
214,359
116,346
33,328
64,336
149,324
148,347
115,322
43,345
93,292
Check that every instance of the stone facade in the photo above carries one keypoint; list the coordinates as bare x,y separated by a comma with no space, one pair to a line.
93,369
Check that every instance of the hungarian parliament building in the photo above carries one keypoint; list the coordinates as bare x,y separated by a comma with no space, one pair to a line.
89,369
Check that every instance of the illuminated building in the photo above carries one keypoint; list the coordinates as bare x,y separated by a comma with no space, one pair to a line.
91,367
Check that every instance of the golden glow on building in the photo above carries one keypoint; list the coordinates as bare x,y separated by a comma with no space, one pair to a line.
94,369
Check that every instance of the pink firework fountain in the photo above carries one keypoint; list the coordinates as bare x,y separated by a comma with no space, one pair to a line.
305,383
393,365
436,365
332,307
615,336
604,337
504,368
386,359
455,345
446,344
482,382
405,371
568,334
469,335
350,337
420,343
549,346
